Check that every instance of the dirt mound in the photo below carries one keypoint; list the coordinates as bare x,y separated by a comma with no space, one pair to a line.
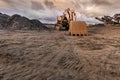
38,25
17,22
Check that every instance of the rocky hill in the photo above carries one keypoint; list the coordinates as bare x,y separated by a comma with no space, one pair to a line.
18,22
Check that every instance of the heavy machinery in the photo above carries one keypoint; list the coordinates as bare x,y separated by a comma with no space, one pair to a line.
64,20
68,22
110,20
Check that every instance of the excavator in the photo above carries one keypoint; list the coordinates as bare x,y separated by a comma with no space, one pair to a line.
64,20
68,22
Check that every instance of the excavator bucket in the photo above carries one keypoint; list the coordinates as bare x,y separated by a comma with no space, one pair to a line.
78,28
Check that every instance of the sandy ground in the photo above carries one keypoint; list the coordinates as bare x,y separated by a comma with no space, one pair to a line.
32,55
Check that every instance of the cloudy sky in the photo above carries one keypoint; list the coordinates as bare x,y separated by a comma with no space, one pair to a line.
47,10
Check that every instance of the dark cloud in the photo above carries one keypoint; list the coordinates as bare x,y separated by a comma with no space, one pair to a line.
49,4
37,6
16,3
9,2
76,4
102,2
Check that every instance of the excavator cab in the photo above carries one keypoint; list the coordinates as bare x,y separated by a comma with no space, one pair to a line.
64,20
62,23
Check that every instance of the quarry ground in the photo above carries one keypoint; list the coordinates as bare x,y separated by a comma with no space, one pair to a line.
33,55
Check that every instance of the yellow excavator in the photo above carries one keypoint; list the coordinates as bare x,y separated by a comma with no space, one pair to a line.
68,22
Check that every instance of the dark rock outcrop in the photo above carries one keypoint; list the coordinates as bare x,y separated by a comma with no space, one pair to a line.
3,19
17,22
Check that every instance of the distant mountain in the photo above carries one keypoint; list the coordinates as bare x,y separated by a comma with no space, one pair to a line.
48,20
18,22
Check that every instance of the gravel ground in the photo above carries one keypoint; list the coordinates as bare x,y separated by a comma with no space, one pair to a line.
33,55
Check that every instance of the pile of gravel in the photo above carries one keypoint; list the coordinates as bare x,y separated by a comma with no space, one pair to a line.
17,22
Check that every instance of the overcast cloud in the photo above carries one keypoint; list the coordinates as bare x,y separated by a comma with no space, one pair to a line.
42,9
